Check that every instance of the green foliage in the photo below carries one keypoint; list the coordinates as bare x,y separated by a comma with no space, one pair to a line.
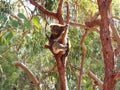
5,7
22,38
25,23
36,22
51,4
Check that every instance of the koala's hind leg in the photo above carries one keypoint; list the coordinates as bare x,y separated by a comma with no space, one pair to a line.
57,47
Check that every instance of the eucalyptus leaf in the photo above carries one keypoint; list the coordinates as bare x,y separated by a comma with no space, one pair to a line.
8,37
21,15
36,21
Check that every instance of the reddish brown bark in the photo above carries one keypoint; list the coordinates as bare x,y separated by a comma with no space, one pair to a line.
60,59
61,66
117,51
92,23
108,54
62,72
59,12
117,76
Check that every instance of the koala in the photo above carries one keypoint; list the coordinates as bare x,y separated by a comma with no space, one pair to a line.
55,40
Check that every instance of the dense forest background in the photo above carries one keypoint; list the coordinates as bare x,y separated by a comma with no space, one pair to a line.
22,39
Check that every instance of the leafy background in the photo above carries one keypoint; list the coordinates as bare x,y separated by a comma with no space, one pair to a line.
22,39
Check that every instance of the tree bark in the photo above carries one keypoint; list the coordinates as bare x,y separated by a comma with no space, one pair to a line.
108,53
62,73
60,59
29,73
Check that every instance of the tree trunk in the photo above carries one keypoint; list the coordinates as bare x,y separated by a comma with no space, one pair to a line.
61,65
108,53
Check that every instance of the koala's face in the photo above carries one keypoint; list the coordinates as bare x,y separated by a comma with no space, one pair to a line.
57,29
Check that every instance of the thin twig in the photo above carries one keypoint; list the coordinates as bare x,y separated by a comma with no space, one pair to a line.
83,57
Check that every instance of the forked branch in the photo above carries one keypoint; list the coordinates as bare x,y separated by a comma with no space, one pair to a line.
93,21
43,9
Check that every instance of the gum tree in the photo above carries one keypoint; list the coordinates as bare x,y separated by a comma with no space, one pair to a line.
22,39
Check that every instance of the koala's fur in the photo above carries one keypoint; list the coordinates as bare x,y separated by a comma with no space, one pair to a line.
55,40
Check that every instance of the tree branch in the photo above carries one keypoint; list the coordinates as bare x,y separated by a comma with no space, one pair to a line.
28,72
116,18
116,35
60,7
83,57
59,12
15,17
83,26
93,21
98,82
68,13
117,76
58,15
117,51
43,9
